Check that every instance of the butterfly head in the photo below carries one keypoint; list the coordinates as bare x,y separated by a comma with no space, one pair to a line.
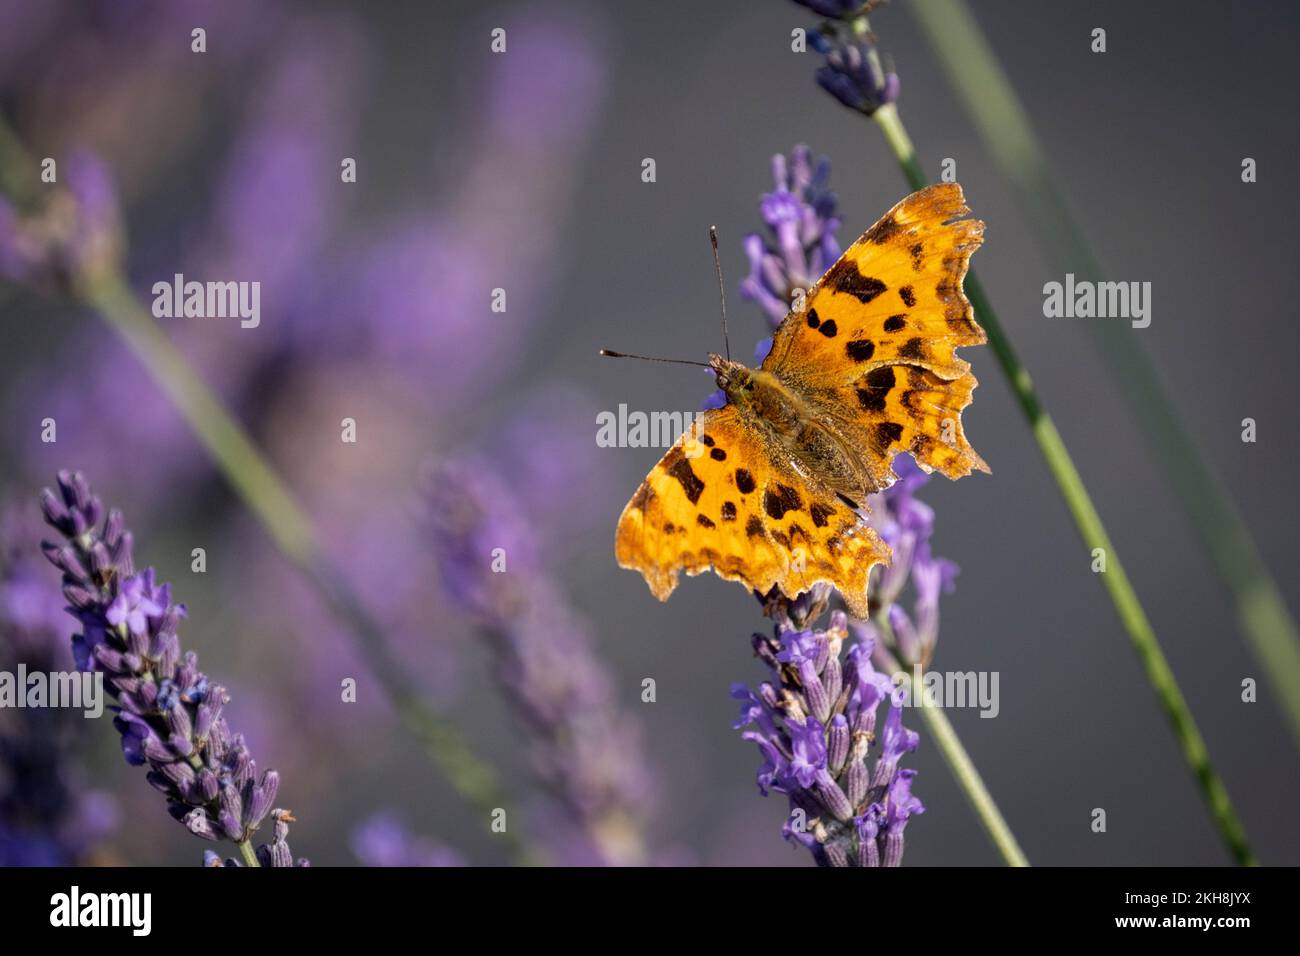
732,377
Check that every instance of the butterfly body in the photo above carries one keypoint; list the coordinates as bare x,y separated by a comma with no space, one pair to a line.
768,490
792,427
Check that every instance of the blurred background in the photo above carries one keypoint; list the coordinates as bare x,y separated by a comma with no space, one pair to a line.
522,171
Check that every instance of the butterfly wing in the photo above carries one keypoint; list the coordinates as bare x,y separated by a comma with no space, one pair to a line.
874,349
721,499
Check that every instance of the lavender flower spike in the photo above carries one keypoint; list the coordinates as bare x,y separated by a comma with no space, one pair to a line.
584,747
814,723
906,525
168,713
854,73
799,244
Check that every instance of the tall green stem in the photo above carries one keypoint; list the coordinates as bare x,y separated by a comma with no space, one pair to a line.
990,99
954,754
290,528
1091,529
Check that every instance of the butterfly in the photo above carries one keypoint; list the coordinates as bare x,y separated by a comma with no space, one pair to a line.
770,489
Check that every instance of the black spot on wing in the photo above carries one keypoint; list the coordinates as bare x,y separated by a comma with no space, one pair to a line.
876,384
916,251
754,527
744,481
704,522
675,464
718,454
644,495
820,513
912,349
887,433
728,511
814,319
845,277
780,499
895,322
884,231
907,295
862,350
829,329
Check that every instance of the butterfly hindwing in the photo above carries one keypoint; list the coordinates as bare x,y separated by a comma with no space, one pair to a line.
720,498
875,345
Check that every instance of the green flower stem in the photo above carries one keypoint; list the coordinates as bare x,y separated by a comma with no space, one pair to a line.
991,101
958,760
246,851
290,528
1092,530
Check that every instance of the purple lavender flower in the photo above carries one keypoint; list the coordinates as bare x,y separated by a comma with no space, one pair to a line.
838,9
168,712
586,751
854,73
275,853
814,723
906,524
799,244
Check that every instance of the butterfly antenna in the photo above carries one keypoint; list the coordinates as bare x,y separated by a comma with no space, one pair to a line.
648,358
722,292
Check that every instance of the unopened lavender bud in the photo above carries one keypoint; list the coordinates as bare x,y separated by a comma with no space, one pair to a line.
819,702
208,785
833,855
101,562
835,800
200,824
893,855
837,743
262,797
81,598
832,678
55,512
178,718
230,811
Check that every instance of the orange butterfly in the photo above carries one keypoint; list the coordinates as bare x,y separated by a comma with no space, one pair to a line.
769,489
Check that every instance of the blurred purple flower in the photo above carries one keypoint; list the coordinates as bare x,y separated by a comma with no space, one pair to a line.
48,816
814,723
799,244
421,302
384,839
168,713
73,235
584,748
